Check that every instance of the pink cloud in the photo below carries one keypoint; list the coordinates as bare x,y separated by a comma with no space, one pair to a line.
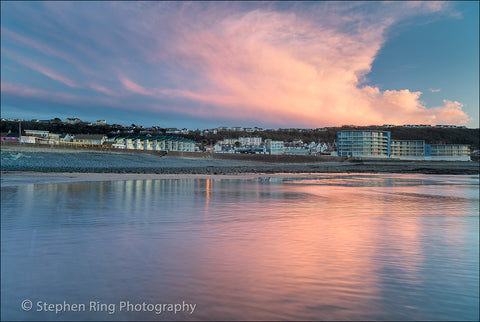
133,87
102,89
229,61
449,113
282,68
53,75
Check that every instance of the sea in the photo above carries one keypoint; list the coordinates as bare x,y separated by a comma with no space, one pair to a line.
401,247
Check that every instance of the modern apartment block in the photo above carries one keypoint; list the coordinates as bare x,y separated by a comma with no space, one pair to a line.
447,152
371,144
408,149
274,147
378,144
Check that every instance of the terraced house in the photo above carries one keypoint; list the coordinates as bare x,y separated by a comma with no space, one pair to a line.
153,143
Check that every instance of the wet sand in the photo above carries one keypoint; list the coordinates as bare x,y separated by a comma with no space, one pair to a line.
14,178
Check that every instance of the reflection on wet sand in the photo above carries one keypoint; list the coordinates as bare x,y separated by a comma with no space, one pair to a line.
330,247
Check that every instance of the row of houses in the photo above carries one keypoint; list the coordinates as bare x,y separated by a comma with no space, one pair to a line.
379,144
298,148
439,126
259,146
154,143
68,120
242,141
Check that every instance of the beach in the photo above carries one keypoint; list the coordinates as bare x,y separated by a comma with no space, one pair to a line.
212,232
47,160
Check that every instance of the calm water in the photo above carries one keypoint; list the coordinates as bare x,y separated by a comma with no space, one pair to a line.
322,247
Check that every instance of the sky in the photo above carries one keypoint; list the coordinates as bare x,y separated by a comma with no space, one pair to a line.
243,63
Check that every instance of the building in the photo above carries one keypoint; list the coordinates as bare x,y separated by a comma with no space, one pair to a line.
66,138
213,131
40,137
228,141
296,143
417,125
28,139
172,130
250,141
358,143
37,133
97,139
101,122
297,151
379,144
73,120
408,149
54,138
274,147
152,143
447,152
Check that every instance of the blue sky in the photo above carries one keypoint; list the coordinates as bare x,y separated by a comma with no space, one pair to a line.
440,53
207,64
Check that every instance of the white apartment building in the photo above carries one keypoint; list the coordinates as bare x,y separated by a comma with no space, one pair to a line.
250,141
274,147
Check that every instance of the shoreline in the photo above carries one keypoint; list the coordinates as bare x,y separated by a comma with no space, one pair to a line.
18,178
14,178
87,162
175,167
